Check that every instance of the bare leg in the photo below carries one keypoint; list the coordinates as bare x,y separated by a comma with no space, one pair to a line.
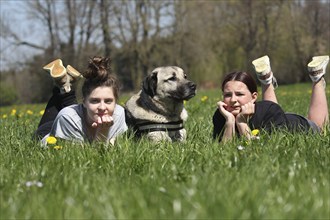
318,109
268,92
266,78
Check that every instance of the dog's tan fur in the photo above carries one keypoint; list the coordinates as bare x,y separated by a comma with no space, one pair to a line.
161,101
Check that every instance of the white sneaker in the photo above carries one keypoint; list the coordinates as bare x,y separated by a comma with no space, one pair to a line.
263,71
317,66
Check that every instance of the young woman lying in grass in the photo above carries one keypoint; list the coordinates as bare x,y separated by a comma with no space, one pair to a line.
239,113
98,118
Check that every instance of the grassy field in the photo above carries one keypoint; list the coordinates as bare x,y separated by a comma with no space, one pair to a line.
284,176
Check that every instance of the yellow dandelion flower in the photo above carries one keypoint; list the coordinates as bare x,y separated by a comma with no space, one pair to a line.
20,115
51,140
42,112
184,102
13,112
255,132
29,112
204,98
4,116
57,147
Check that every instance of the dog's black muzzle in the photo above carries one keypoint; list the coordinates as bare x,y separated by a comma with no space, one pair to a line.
184,92
191,90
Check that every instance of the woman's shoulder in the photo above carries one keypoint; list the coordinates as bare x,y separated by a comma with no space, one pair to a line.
218,118
119,110
216,113
266,103
267,115
268,110
266,106
72,111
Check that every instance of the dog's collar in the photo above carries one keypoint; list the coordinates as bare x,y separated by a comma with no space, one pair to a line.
145,126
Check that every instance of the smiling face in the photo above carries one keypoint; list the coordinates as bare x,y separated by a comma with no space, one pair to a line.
101,101
236,94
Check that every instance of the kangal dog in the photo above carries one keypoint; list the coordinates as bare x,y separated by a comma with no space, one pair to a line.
157,110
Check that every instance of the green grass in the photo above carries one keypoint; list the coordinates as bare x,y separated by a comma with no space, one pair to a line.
284,176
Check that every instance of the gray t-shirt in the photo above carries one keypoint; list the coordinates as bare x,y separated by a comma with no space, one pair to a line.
69,124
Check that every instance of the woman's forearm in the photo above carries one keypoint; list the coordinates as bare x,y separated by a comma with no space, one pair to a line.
101,134
229,131
244,129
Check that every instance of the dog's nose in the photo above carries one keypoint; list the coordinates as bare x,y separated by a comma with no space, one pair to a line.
192,86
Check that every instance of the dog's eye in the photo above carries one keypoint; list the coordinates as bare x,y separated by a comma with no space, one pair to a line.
185,76
173,78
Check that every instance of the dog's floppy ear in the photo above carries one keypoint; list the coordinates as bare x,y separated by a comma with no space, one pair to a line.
150,84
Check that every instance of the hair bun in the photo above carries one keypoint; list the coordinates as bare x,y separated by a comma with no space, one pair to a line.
98,68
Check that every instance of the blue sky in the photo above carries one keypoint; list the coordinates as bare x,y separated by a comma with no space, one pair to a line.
13,13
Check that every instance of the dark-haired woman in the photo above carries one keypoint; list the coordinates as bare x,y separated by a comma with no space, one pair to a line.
97,118
239,112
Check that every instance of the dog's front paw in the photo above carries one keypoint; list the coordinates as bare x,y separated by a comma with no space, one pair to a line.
180,135
158,136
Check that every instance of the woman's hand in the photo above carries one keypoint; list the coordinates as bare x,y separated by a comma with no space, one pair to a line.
228,116
102,126
229,131
243,117
247,111
104,121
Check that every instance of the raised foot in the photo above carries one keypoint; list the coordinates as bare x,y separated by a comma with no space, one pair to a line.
55,68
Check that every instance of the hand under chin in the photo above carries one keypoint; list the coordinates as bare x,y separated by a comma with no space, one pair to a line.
235,112
104,121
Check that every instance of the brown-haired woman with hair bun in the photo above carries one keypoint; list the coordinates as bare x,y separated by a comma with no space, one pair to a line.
97,118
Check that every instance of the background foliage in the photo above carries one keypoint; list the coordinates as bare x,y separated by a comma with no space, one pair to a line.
206,38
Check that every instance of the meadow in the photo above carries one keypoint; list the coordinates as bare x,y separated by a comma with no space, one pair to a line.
283,176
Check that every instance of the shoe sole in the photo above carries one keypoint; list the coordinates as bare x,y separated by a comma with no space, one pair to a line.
72,71
261,64
318,61
55,68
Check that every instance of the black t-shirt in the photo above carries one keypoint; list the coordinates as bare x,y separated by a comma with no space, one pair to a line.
268,116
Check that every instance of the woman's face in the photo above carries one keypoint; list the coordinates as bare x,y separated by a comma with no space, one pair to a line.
101,101
237,94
